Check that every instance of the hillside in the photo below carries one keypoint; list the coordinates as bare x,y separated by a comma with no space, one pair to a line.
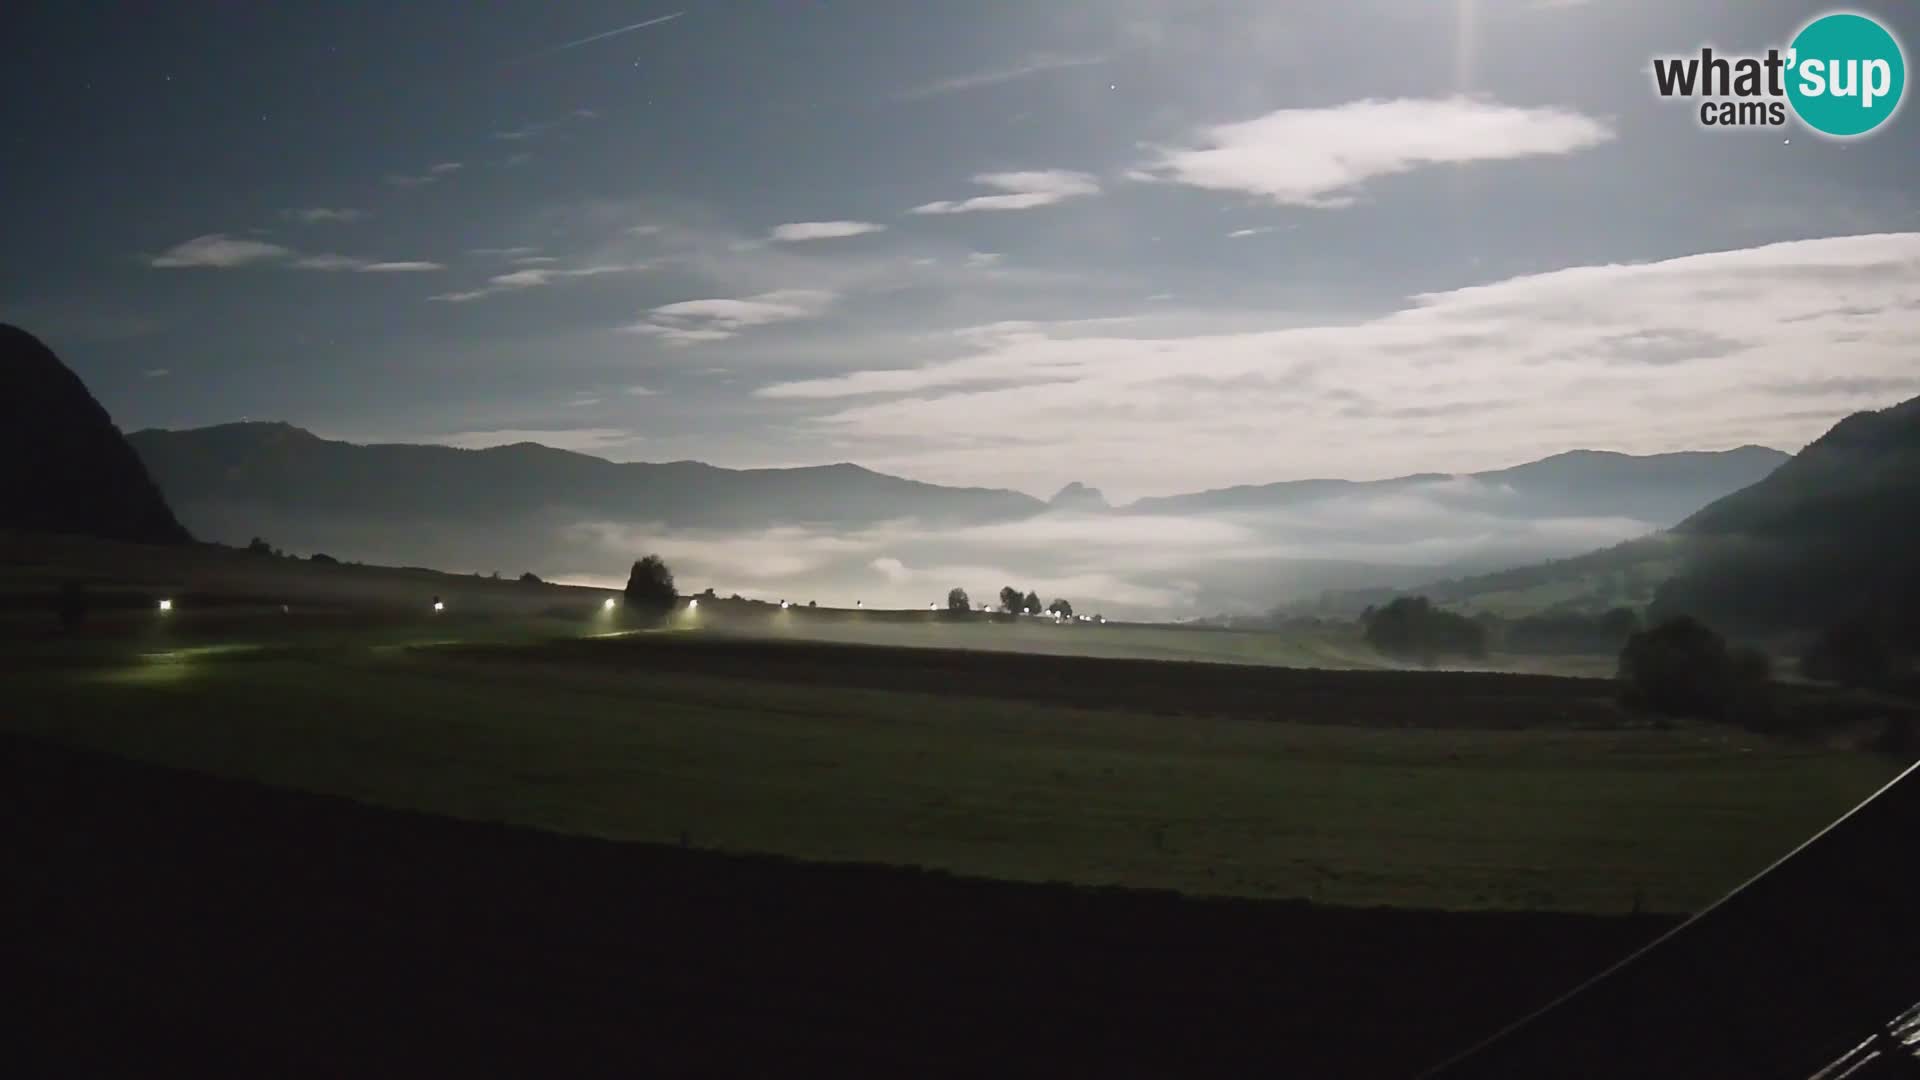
64,466
1661,489
1828,537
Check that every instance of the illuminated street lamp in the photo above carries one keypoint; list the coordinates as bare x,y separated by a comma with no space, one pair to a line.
783,605
166,605
607,604
437,605
694,603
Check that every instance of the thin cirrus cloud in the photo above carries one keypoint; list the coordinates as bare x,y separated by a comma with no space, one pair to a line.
535,277
1320,157
797,231
694,322
360,264
218,251
432,175
1035,64
1591,355
320,215
1023,190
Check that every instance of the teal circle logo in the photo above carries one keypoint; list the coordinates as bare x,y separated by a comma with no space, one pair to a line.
1846,74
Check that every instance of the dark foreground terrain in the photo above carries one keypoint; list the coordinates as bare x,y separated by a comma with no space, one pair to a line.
157,917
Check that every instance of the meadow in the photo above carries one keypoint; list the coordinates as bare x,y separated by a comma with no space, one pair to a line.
1439,790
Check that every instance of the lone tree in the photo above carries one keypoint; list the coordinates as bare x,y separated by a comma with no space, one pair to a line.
1010,599
1032,603
531,578
1682,667
650,587
1410,627
1062,608
957,600
257,546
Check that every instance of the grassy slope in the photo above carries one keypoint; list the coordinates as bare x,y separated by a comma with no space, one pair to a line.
1571,820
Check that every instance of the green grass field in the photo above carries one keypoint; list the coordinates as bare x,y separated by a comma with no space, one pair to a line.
1308,801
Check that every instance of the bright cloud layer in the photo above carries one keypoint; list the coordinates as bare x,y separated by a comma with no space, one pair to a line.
1597,356
1318,157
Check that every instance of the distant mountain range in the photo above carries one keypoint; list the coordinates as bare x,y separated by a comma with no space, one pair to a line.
64,467
283,467
275,464
843,528
1659,488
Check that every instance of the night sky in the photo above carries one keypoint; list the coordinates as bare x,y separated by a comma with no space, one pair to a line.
1152,246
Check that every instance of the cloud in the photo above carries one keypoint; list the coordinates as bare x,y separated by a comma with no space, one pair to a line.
1474,377
527,131
1319,157
158,373
1241,234
361,264
980,260
329,262
1024,191
535,277
639,391
691,322
431,176
317,215
220,252
502,252
1035,64
822,230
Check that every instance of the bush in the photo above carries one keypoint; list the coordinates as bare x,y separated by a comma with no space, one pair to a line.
531,578
650,588
323,559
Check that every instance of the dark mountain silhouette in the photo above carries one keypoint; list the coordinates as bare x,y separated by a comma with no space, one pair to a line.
1660,489
282,467
64,466
1831,535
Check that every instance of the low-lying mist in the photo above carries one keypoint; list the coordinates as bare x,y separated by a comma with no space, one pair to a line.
1121,563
